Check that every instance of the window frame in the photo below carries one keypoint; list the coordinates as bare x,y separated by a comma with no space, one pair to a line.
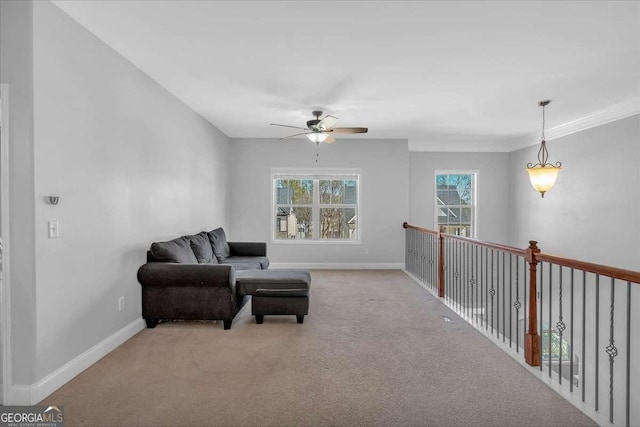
317,174
474,205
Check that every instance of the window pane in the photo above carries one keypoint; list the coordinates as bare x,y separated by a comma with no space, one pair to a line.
283,192
302,191
465,189
338,223
466,221
350,192
325,191
293,223
337,192
294,192
449,215
465,215
448,197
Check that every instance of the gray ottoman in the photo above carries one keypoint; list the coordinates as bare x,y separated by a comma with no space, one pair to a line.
273,292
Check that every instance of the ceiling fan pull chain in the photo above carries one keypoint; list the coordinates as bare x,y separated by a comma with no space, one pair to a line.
317,147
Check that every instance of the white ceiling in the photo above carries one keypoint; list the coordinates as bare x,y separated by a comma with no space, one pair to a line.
442,74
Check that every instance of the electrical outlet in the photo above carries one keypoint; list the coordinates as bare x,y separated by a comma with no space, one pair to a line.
366,251
120,303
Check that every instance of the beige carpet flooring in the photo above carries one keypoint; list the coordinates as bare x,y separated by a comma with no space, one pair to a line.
374,351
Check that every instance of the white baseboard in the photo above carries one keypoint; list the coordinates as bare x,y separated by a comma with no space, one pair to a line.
20,395
32,394
336,266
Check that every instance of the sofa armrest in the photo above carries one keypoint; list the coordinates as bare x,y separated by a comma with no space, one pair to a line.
248,248
163,274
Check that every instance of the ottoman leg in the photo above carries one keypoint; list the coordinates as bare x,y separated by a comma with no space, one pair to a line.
300,318
227,324
259,319
151,323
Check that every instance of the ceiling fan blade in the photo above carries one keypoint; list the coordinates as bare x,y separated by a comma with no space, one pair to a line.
327,122
330,140
287,126
350,130
297,134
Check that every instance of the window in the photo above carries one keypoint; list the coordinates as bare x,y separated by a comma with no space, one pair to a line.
316,205
456,202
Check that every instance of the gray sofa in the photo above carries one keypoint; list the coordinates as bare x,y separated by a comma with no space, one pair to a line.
194,277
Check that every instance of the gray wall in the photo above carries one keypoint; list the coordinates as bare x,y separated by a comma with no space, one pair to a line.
493,190
593,211
16,69
384,183
131,164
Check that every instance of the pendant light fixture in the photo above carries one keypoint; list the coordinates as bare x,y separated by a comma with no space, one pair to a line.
543,175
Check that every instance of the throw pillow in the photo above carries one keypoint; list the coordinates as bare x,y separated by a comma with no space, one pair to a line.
176,250
202,249
219,242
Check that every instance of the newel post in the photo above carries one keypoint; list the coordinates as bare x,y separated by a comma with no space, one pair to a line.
441,262
532,339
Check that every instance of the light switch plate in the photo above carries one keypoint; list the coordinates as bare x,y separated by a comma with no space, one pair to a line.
54,229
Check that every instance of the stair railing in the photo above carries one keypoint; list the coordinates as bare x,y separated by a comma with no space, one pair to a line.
570,318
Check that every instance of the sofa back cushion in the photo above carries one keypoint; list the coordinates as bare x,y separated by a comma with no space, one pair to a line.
219,243
202,249
176,250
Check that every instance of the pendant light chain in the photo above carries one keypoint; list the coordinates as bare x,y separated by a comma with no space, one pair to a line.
543,154
543,105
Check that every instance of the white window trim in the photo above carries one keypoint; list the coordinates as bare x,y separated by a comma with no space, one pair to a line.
316,173
475,172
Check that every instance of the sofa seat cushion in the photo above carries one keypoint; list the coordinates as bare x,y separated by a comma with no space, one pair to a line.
240,266
202,249
246,262
259,262
219,243
176,250
249,281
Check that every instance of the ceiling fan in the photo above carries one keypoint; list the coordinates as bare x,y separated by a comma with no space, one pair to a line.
321,130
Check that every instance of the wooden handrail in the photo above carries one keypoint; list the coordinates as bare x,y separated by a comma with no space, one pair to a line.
603,270
508,249
414,227
505,248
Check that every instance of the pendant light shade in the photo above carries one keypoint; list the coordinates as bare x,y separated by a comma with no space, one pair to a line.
543,175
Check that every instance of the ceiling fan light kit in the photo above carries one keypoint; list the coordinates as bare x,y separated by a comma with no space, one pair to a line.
317,137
